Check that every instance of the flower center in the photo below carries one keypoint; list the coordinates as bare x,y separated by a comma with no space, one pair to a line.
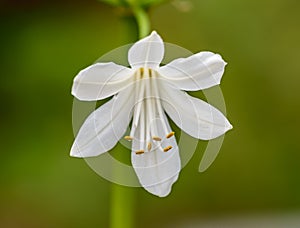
147,110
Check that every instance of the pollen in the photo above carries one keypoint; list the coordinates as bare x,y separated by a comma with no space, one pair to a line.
170,134
139,152
156,138
166,149
149,146
128,138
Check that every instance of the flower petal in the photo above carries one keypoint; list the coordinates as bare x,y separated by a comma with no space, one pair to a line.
147,52
101,80
197,72
157,170
194,116
104,127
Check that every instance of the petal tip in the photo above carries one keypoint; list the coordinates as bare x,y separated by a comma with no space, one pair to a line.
165,194
159,192
228,125
155,37
75,151
75,154
162,189
73,91
147,52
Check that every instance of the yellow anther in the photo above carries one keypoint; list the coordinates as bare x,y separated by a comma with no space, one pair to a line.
167,148
142,71
170,134
139,152
149,146
129,138
156,138
150,73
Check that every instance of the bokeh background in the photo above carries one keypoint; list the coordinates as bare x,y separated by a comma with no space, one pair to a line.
254,180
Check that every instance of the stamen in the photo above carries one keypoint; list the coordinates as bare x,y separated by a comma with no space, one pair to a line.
170,134
128,138
149,146
140,85
148,109
160,111
167,148
156,138
139,152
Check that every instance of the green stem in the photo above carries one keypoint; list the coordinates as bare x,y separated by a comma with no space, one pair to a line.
142,20
122,207
122,203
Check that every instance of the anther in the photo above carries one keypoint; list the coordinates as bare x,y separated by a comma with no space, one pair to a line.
139,152
150,73
167,148
156,138
149,146
170,134
142,71
129,138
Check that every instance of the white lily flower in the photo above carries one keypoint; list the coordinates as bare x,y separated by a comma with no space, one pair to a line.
143,93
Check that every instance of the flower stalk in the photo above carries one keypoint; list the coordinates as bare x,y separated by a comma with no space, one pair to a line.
122,207
142,20
122,204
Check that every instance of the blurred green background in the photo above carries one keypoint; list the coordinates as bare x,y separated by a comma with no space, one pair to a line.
45,43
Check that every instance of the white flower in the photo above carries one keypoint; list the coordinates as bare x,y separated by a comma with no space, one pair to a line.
143,93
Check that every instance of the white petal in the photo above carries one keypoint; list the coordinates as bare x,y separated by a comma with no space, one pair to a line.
194,116
101,80
147,52
104,127
199,71
157,170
